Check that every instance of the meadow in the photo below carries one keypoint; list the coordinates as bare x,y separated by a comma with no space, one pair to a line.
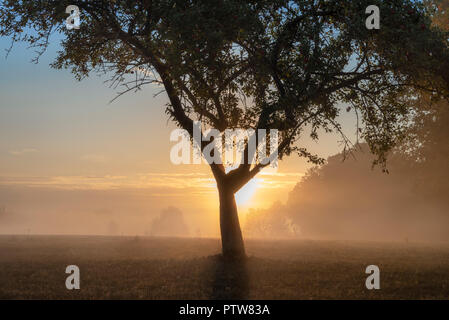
33,267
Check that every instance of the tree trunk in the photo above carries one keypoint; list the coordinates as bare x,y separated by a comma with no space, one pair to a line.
231,234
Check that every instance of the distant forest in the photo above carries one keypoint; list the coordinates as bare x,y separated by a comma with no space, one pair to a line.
343,199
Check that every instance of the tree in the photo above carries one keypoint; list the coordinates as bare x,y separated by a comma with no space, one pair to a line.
112,228
169,223
274,222
346,200
427,147
426,144
288,65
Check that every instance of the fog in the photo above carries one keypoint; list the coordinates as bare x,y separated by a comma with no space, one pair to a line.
347,200
350,200
35,210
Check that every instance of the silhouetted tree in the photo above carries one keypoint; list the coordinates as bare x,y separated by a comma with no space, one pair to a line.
266,64
426,145
113,228
2,211
274,222
169,223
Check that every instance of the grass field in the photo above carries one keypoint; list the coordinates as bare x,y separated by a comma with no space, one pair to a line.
33,267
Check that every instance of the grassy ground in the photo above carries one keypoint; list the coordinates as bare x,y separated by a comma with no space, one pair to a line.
33,267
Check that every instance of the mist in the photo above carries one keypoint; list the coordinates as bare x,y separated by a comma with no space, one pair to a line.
36,210
349,199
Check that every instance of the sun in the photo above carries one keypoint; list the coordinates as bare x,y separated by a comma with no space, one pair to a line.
244,196
246,193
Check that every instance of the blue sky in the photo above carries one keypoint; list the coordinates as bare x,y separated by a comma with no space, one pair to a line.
48,111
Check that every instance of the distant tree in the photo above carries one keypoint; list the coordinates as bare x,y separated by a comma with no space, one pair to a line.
113,228
2,211
427,145
274,222
344,199
290,65
169,223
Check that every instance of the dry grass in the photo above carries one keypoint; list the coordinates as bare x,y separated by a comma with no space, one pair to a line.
163,268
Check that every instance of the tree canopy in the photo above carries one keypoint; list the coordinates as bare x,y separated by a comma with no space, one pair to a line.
286,65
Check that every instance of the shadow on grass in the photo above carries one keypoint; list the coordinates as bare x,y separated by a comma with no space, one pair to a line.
231,279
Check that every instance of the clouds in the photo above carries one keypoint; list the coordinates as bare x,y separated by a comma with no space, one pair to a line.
108,182
196,183
22,152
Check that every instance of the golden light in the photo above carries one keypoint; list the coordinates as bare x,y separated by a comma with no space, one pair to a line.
244,195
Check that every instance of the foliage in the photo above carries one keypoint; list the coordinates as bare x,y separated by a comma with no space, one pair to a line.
286,65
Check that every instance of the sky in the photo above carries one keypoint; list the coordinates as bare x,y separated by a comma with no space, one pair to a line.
71,162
